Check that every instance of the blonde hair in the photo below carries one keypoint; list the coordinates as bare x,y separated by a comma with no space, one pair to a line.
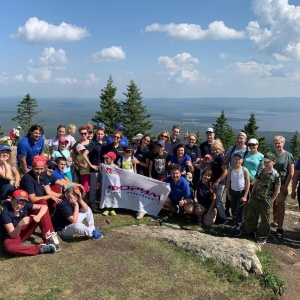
71,129
194,135
279,138
217,144
164,132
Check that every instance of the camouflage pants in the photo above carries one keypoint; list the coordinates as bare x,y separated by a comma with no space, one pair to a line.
258,207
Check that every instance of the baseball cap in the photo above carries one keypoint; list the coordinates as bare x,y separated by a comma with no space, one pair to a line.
51,163
126,148
253,141
238,154
80,147
119,126
208,156
100,125
209,129
161,143
139,136
269,156
20,195
19,127
63,139
110,154
4,148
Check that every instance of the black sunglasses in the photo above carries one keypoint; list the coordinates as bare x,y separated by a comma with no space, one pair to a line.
50,168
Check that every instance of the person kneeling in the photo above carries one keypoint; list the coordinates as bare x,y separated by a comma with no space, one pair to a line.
179,199
205,200
70,214
16,226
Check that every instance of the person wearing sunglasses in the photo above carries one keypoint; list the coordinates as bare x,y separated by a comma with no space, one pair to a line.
165,136
123,141
115,146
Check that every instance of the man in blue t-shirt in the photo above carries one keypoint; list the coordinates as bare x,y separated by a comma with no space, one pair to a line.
180,190
30,146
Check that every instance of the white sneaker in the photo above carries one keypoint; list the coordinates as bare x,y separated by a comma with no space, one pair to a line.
140,215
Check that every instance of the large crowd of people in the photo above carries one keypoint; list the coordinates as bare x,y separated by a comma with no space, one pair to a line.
59,190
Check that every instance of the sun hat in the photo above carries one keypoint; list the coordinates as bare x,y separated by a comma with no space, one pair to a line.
139,136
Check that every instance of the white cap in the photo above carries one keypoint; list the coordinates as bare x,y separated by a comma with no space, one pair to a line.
139,136
19,127
209,129
253,141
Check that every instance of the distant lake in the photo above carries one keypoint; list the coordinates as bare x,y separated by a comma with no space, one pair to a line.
272,114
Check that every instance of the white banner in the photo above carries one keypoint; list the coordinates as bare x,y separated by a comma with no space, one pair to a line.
123,189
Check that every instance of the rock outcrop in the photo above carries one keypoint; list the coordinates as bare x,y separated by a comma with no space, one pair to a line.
238,253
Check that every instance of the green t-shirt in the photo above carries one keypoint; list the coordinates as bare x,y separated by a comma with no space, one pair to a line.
282,165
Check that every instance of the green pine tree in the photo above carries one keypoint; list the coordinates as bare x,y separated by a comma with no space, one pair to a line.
198,138
133,115
110,109
294,145
1,131
251,130
224,131
27,113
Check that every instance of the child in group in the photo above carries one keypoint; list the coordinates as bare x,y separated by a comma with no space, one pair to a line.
266,188
109,159
203,164
237,188
84,168
16,226
63,152
70,214
125,161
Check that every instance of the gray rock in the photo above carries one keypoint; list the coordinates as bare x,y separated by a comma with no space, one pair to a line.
238,253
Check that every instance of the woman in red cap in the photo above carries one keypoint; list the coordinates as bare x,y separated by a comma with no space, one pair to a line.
19,219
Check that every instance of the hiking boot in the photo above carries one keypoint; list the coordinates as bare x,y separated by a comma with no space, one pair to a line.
49,248
279,232
96,234
140,215
252,235
112,212
223,221
105,212
261,241
51,242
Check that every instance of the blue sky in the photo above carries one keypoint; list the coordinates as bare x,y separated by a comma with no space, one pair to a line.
188,48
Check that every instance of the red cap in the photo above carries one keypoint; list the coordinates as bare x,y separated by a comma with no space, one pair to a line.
63,139
20,195
208,156
111,155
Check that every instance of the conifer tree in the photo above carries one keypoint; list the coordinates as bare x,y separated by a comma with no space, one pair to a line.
294,145
251,130
199,141
224,131
133,114
1,131
27,113
110,110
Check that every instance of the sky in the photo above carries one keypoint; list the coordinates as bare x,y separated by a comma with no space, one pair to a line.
178,48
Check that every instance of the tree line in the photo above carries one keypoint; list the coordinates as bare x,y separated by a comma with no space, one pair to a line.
132,114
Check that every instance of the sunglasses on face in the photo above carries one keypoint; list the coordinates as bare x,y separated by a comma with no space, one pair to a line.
51,168
117,137
128,151
164,136
90,131
251,145
83,133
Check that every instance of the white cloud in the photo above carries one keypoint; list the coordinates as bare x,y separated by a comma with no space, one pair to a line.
277,30
254,69
113,53
31,79
36,31
65,80
216,31
223,55
181,68
4,77
52,58
92,79
18,77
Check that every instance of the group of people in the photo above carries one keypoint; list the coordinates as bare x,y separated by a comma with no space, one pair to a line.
58,191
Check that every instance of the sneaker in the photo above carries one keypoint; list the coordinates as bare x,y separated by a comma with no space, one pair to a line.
279,232
49,248
252,235
71,237
274,224
105,212
112,212
140,215
261,241
51,242
96,234
237,233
